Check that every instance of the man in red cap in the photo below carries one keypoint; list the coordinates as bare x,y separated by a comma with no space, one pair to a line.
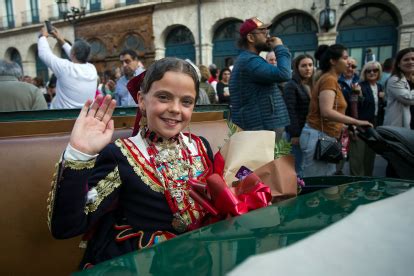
256,101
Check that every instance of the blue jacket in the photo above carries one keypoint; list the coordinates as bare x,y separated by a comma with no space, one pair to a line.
366,106
255,100
347,89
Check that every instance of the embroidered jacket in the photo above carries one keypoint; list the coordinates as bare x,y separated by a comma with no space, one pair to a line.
118,201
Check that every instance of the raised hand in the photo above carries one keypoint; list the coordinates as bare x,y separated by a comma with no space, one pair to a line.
94,127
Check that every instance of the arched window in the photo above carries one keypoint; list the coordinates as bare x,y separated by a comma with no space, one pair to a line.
298,32
225,42
98,49
369,27
180,43
133,42
15,56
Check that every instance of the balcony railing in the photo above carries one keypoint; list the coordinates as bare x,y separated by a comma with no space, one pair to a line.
30,17
7,22
53,12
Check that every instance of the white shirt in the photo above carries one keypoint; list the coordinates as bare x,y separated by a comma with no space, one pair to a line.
76,82
374,89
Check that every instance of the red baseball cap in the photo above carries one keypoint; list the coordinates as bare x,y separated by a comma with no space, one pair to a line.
252,24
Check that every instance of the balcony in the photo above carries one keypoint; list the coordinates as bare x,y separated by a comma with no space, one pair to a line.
53,12
122,3
30,17
7,22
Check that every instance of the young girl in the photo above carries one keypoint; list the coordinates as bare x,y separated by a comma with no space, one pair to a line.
132,193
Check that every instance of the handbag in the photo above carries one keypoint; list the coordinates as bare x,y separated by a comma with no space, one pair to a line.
328,148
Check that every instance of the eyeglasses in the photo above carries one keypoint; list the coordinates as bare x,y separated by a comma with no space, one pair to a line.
261,31
368,71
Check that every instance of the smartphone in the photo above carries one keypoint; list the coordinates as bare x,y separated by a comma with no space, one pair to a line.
49,26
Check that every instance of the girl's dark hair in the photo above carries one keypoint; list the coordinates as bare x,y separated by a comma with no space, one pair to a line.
327,53
295,65
397,70
222,72
157,70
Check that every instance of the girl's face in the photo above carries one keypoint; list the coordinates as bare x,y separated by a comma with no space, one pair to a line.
341,65
371,74
407,63
226,76
169,103
305,68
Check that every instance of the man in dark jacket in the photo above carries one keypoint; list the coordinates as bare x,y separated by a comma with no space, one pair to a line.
256,101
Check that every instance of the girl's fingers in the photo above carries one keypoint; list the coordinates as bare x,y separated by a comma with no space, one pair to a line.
85,108
95,105
108,114
102,108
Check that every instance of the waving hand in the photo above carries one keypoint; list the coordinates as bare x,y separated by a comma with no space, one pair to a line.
94,127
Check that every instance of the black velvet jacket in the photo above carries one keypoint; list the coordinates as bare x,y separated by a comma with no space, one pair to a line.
117,202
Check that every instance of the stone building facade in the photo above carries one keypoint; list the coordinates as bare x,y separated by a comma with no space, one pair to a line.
205,31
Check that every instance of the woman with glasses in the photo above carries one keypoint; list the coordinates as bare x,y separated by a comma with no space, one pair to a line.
370,107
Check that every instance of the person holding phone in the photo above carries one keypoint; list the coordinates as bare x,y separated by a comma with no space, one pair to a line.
76,78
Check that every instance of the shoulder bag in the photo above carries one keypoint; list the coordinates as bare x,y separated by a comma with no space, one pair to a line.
328,148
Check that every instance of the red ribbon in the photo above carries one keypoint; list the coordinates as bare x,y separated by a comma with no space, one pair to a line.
251,194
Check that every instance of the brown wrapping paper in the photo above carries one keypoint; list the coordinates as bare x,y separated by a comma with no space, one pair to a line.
280,176
251,149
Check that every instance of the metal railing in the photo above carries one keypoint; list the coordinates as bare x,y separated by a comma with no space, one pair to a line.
7,22
53,12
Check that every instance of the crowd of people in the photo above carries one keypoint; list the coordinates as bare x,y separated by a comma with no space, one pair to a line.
134,192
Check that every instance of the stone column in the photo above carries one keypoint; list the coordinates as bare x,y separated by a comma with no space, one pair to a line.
159,53
207,51
327,38
29,68
406,36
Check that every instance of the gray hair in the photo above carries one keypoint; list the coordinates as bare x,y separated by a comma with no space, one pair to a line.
81,50
10,68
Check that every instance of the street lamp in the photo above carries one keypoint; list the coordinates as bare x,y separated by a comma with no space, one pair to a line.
75,13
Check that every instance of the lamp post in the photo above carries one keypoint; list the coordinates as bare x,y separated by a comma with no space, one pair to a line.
73,14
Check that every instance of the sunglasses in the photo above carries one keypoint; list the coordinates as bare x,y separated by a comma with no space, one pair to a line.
261,31
368,71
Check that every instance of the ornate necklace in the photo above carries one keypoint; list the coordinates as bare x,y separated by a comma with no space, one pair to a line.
172,163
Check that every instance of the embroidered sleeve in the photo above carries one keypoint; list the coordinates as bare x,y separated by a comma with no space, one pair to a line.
82,191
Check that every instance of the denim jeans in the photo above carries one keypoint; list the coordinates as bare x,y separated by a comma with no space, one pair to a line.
311,167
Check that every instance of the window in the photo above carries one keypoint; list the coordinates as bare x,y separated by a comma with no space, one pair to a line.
95,5
10,15
34,11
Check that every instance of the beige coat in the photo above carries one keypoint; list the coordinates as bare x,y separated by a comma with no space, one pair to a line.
399,99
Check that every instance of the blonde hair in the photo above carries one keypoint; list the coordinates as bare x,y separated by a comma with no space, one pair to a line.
370,64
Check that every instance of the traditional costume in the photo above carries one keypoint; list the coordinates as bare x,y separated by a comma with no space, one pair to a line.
135,193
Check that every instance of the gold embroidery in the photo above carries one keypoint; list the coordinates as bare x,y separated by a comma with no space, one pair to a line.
138,168
51,197
79,165
104,188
